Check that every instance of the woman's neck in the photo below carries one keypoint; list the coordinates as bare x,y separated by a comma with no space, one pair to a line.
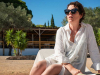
74,27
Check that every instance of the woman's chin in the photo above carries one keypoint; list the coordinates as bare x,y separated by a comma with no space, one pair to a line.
70,21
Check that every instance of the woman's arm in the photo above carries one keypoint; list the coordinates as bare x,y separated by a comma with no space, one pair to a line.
59,47
93,49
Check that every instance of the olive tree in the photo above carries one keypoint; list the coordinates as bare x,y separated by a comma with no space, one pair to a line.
11,17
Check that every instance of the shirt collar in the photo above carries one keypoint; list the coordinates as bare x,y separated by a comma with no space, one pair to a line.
83,24
67,26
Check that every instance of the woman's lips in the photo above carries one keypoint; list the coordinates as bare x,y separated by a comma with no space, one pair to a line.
70,16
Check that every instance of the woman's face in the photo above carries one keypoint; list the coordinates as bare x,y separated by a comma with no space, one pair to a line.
72,18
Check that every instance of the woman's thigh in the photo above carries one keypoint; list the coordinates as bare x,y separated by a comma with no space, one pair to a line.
38,68
53,69
40,64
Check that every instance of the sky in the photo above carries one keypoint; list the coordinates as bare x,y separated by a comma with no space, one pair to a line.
42,10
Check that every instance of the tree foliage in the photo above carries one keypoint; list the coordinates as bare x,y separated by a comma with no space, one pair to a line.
52,22
33,25
17,40
64,22
39,25
17,3
92,16
45,24
48,23
97,36
11,17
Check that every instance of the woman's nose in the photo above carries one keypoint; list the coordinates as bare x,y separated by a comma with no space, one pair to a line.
70,12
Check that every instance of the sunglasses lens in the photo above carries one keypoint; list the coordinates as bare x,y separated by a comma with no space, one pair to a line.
73,11
67,11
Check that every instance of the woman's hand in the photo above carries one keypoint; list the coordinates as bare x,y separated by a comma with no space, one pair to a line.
75,71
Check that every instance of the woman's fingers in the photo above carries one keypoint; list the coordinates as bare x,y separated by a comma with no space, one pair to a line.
78,72
75,71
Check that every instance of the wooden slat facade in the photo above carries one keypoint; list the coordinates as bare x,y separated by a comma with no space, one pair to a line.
42,37
37,37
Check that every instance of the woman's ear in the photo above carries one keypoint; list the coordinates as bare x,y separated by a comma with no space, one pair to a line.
81,15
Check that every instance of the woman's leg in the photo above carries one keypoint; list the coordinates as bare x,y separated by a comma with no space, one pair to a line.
38,68
53,69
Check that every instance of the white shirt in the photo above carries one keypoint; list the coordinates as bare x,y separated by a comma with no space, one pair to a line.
91,46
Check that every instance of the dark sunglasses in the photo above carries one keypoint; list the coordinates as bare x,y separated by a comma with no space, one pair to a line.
73,11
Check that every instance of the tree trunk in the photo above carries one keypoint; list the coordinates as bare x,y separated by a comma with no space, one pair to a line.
18,52
10,49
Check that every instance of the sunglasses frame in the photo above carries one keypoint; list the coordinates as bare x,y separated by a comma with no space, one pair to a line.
73,11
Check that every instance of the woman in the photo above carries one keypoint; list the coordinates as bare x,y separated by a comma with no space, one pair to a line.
72,44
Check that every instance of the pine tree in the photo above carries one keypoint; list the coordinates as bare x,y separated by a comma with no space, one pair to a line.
48,23
45,24
52,22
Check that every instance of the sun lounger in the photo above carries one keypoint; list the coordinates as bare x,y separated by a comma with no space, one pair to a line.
47,52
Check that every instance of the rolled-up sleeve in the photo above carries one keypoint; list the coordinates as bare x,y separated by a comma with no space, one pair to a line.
59,47
93,49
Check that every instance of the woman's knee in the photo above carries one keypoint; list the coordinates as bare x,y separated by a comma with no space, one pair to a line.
52,70
55,67
40,64
38,68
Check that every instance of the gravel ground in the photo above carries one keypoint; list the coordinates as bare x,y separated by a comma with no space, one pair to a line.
23,67
88,64
15,67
